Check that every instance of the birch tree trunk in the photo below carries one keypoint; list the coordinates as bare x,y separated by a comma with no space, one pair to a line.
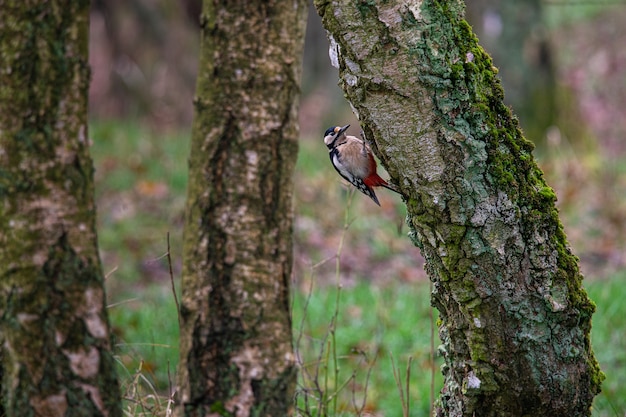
236,343
515,320
56,358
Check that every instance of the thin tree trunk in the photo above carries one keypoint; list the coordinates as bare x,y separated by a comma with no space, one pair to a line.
515,319
54,327
236,347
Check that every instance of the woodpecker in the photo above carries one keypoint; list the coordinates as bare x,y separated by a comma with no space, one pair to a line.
354,161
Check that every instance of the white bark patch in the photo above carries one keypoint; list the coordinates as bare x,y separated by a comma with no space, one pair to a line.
290,358
472,381
333,51
82,134
499,222
557,297
204,243
25,319
249,361
95,397
556,306
59,338
353,66
433,164
252,172
50,406
96,326
65,154
50,213
84,363
94,302
390,16
211,137
415,9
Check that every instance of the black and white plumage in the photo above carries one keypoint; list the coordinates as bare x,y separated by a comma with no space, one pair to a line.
354,161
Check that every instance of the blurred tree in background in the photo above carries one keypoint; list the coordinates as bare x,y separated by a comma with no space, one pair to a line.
56,352
236,342
144,59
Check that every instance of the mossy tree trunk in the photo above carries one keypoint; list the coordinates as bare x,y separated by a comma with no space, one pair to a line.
236,343
515,320
56,358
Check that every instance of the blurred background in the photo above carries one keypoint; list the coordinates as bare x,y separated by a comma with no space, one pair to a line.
563,66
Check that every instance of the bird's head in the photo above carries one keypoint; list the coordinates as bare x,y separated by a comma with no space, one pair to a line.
332,134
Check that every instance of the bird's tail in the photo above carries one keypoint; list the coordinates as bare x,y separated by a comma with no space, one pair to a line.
391,187
376,181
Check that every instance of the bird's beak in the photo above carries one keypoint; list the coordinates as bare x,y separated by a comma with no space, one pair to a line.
341,130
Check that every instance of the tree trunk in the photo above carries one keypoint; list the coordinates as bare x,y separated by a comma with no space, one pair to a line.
54,327
515,319
236,347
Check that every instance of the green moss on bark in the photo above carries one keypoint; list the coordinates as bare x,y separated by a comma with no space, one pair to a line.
236,355
56,350
504,278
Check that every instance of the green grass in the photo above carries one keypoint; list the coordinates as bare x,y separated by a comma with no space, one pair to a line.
371,322
141,179
146,329
381,309
346,338
609,343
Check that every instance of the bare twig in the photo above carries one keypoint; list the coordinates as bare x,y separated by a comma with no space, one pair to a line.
119,303
396,378
108,274
169,263
408,378
320,383
370,367
346,225
404,395
432,356
170,398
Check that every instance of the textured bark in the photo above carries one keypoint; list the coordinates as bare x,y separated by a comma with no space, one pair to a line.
236,349
54,327
514,318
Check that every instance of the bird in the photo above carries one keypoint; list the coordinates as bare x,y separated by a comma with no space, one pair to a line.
354,161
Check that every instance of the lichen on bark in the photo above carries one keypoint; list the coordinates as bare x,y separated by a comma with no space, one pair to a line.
515,320
56,353
236,352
